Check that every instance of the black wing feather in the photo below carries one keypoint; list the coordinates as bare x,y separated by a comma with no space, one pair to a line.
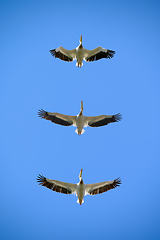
109,54
43,182
58,54
105,188
53,118
105,121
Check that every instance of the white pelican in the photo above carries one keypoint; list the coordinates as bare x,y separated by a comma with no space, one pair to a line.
80,189
80,54
80,120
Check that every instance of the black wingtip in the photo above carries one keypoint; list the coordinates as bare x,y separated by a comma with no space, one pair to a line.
52,52
40,178
111,53
41,113
118,117
118,182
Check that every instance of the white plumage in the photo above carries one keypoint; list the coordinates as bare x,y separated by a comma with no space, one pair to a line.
80,120
80,54
80,189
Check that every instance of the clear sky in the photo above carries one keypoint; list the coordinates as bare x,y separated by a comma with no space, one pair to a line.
129,83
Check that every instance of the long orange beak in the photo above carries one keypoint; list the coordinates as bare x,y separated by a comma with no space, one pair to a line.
80,175
82,105
81,38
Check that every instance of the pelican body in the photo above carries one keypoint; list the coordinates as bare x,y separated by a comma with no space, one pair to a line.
80,121
80,189
80,54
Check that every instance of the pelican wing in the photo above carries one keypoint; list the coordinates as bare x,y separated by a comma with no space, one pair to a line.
98,53
64,54
102,120
98,188
58,118
57,186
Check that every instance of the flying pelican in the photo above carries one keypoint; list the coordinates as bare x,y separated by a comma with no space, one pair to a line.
80,189
80,120
80,54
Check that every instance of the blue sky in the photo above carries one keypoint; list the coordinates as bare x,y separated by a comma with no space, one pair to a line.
128,83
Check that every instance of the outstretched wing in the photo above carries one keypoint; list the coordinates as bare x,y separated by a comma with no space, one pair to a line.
98,53
58,118
57,186
102,120
98,188
64,54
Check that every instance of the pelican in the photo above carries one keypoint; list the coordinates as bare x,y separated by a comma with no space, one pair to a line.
80,54
80,120
80,189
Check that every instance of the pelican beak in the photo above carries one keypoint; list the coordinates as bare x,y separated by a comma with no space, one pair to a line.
81,39
80,175
82,106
